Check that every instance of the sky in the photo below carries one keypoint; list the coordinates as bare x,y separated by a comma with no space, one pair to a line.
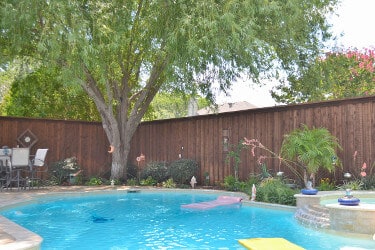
355,21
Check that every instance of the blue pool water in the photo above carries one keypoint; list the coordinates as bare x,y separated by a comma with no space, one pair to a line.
155,220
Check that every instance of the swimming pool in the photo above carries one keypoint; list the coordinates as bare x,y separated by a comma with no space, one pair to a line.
155,220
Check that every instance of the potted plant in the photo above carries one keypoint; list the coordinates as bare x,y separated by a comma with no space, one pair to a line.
310,150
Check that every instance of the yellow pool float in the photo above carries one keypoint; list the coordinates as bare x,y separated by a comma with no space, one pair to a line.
269,244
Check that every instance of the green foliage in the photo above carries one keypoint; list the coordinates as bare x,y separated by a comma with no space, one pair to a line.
326,185
168,105
182,170
7,76
343,74
273,190
264,171
235,155
353,185
156,170
132,171
149,181
60,171
132,182
364,181
169,183
369,182
253,179
311,149
42,94
367,176
94,181
231,184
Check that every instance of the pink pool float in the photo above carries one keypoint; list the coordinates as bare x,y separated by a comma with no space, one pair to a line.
220,201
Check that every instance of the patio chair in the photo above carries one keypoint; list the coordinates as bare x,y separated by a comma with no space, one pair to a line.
38,166
3,175
19,161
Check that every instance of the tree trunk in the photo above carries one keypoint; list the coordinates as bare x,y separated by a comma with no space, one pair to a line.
118,170
122,144
305,178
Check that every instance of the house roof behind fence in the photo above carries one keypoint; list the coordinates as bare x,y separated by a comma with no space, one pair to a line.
226,107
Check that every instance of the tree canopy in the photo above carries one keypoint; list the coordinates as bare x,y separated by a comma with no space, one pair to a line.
343,74
123,52
42,94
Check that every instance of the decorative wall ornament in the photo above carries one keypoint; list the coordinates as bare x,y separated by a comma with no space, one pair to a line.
27,139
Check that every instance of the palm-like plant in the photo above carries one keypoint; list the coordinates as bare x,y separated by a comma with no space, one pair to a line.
311,149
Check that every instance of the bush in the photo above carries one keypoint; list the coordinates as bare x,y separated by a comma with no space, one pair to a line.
353,185
326,185
61,170
131,171
156,170
149,181
231,184
182,170
169,184
273,190
94,181
132,182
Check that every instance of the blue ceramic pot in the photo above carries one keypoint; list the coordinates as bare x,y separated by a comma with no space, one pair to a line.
349,201
311,191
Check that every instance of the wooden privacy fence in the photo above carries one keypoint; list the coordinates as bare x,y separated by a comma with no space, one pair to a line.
64,139
208,138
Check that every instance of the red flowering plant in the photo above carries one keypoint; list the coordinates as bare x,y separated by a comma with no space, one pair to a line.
364,179
367,176
267,153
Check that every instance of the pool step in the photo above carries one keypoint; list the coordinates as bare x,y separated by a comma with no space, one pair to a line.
313,216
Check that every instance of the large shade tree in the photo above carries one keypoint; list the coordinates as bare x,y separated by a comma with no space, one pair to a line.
123,52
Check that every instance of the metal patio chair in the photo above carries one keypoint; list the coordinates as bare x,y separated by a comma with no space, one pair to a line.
19,162
38,166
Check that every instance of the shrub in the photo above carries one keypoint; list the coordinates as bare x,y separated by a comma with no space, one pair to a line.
95,181
61,170
272,190
169,183
132,182
231,184
353,185
149,181
182,170
131,171
326,185
156,170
